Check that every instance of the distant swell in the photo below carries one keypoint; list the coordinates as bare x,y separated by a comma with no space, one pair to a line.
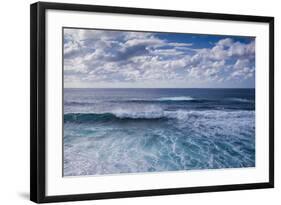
74,103
242,100
169,100
183,99
180,98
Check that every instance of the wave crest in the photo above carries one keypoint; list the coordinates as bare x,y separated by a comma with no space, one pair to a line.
179,98
242,100
182,115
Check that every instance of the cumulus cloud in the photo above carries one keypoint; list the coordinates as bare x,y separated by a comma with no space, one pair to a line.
243,69
93,56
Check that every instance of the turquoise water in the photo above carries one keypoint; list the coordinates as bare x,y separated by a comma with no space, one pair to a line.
112,131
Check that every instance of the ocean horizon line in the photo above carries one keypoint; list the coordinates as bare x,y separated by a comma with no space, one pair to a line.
146,88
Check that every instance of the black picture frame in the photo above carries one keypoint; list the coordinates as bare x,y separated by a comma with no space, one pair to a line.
38,101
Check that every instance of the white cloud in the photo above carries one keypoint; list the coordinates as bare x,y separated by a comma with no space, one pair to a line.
242,69
112,56
225,42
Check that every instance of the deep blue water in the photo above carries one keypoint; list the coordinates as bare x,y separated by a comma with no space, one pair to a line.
111,131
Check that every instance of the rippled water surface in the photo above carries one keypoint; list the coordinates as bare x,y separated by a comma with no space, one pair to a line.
112,131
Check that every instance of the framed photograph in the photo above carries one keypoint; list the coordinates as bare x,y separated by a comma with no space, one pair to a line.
129,102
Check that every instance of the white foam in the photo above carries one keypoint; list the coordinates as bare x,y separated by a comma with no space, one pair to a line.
239,99
154,112
150,112
180,98
176,145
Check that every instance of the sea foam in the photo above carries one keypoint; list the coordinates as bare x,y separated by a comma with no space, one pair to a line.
112,131
179,98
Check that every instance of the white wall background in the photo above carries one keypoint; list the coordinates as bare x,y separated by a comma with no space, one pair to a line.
14,102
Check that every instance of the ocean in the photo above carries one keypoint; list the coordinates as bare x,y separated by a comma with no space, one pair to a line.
114,131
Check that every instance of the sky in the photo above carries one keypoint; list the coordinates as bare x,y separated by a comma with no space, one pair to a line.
125,59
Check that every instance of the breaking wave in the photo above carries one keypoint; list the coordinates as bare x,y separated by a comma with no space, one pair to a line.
153,115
